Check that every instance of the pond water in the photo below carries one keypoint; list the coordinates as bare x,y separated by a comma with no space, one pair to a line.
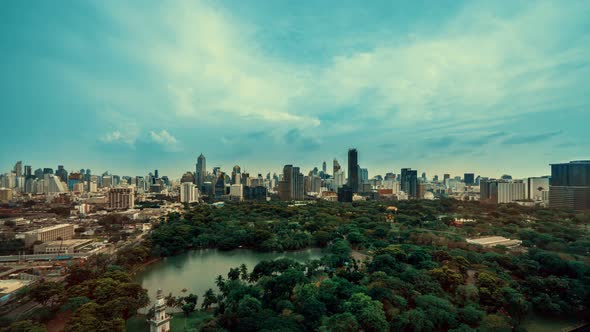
196,270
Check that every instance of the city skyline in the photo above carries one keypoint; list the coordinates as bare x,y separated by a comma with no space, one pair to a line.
460,87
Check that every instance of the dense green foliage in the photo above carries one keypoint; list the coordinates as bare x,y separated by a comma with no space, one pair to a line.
421,275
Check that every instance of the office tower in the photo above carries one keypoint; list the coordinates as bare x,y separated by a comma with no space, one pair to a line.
87,175
469,178
488,189
390,176
189,193
220,185
537,187
435,178
477,179
446,177
236,175
201,170
412,183
291,187
423,177
569,187
18,168
324,167
336,166
28,172
345,194
47,170
39,173
156,175
404,179
121,198
107,181
62,173
216,171
364,176
353,170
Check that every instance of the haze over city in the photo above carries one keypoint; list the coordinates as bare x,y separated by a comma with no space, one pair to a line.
445,87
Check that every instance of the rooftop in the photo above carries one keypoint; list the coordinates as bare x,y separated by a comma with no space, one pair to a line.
48,228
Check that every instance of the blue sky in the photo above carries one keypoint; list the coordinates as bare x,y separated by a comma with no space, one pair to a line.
440,86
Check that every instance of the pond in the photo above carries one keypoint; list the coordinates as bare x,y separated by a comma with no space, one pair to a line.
195,272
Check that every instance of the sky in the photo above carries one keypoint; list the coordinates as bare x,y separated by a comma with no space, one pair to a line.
491,87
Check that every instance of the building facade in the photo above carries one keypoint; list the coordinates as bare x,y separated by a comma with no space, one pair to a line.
569,187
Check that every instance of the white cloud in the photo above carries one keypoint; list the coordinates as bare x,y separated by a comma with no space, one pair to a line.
481,65
163,137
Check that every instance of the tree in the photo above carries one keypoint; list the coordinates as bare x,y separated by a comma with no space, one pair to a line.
368,313
344,322
47,293
25,326
495,323
209,298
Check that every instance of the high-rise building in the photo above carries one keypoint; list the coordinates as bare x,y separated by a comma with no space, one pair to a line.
189,193
187,177
28,172
53,184
291,187
345,194
339,179
18,168
121,198
537,187
220,185
201,170
336,167
39,173
62,173
501,191
324,167
569,187
404,179
236,192
469,178
73,179
236,175
364,177
353,170
47,170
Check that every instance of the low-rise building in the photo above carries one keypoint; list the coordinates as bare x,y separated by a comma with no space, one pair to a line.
61,247
61,231
492,241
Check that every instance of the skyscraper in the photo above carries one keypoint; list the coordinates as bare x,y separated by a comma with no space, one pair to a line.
18,168
324,167
569,186
291,187
336,167
28,172
201,171
62,173
469,178
404,179
236,175
353,170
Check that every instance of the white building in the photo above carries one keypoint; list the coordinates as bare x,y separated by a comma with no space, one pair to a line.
189,193
511,191
161,320
537,187
236,192
339,180
53,184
